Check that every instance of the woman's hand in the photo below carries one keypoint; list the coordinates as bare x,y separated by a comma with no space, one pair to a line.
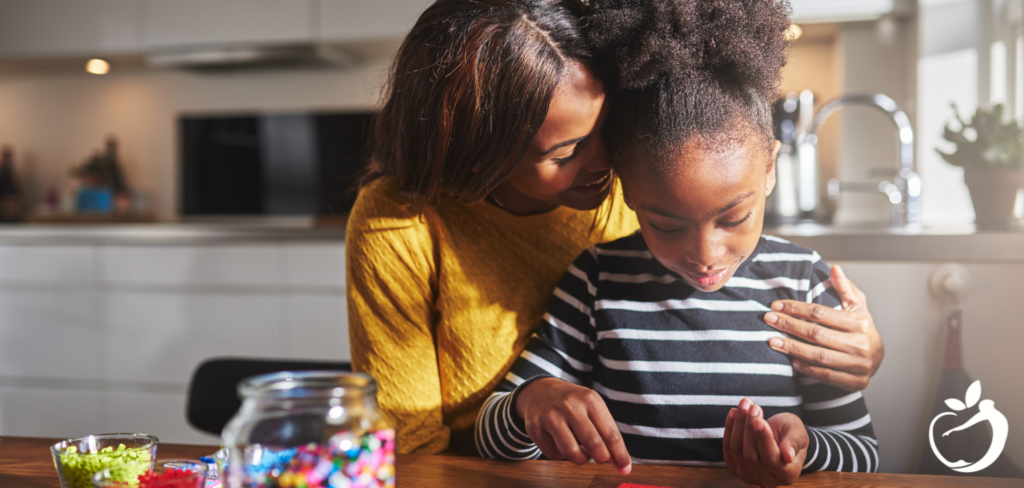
765,453
847,350
568,421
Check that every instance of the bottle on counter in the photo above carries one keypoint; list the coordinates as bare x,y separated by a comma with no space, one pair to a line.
10,194
119,186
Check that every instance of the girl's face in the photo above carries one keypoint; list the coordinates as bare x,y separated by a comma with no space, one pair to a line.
704,218
567,161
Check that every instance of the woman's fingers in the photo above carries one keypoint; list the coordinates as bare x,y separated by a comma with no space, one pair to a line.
829,376
791,314
849,295
841,359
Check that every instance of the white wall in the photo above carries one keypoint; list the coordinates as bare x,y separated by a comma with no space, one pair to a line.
901,395
54,121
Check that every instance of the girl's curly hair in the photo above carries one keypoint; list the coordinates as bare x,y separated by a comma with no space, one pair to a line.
683,68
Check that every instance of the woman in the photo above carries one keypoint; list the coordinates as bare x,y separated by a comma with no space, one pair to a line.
493,177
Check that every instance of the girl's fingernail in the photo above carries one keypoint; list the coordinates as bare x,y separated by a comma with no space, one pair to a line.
792,454
732,414
777,306
775,342
771,318
796,363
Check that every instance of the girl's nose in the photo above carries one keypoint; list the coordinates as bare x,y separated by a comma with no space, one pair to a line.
703,249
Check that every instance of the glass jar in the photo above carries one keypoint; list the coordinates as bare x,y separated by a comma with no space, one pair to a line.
310,429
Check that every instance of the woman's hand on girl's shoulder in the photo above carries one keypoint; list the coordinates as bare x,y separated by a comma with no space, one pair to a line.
846,349
568,421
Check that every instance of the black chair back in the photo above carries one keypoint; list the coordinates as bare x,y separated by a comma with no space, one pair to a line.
213,395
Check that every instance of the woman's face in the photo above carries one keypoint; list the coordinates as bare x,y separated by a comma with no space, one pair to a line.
704,218
567,161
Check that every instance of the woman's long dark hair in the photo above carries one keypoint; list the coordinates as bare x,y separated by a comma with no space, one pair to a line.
469,89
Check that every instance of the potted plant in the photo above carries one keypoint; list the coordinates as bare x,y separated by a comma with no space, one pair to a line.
989,151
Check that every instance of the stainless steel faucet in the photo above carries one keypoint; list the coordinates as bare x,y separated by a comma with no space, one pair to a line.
904,188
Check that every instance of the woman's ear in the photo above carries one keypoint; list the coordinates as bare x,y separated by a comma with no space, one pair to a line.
769,177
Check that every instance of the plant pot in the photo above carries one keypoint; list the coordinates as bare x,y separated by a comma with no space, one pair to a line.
993,193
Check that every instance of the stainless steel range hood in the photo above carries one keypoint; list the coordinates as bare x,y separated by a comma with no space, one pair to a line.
252,57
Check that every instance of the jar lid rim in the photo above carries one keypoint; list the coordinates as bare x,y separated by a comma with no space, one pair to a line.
307,384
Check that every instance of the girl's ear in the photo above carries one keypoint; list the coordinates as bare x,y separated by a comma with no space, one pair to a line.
769,177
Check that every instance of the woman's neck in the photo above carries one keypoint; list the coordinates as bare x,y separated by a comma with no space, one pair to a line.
515,202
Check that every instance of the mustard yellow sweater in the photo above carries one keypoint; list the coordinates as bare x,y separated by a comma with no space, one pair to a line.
440,305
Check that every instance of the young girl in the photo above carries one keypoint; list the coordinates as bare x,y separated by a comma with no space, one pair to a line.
651,339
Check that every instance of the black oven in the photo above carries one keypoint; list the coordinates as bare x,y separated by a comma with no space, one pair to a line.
287,164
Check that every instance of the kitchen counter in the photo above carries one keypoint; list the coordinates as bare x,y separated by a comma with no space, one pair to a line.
852,243
164,234
847,243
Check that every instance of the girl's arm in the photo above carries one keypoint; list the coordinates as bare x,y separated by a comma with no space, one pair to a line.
391,289
543,404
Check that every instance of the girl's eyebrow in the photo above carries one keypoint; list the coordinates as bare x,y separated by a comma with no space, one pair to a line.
564,143
736,201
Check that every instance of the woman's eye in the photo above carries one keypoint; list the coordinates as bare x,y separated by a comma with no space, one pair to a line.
575,152
566,160
736,222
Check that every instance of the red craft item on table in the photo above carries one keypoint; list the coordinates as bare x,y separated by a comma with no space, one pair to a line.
172,478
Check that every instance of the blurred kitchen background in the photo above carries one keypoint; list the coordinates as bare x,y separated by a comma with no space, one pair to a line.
179,172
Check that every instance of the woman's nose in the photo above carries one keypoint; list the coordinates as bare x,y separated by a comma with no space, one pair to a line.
599,159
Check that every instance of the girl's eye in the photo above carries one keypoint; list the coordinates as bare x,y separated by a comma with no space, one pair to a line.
665,231
736,222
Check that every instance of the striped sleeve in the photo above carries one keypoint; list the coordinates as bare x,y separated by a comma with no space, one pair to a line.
838,423
563,348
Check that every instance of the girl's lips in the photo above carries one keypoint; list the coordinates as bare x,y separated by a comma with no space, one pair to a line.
708,279
593,187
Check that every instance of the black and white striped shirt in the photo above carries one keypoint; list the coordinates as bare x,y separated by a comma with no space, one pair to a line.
670,361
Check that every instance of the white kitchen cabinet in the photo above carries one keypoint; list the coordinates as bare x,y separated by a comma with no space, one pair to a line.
349,20
181,23
811,11
214,265
61,28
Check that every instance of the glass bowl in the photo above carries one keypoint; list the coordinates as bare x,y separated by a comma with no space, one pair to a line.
78,459
191,474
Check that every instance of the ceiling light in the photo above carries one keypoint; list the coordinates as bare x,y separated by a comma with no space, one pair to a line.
794,32
97,67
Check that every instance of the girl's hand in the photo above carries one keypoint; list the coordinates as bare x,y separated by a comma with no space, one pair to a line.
568,421
765,453
848,348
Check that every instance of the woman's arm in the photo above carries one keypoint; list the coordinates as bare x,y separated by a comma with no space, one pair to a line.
391,287
845,348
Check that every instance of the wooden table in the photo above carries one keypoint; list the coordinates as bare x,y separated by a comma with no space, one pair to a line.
25,463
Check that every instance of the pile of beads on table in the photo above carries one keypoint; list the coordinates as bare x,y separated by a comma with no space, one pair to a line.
171,478
79,466
347,460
